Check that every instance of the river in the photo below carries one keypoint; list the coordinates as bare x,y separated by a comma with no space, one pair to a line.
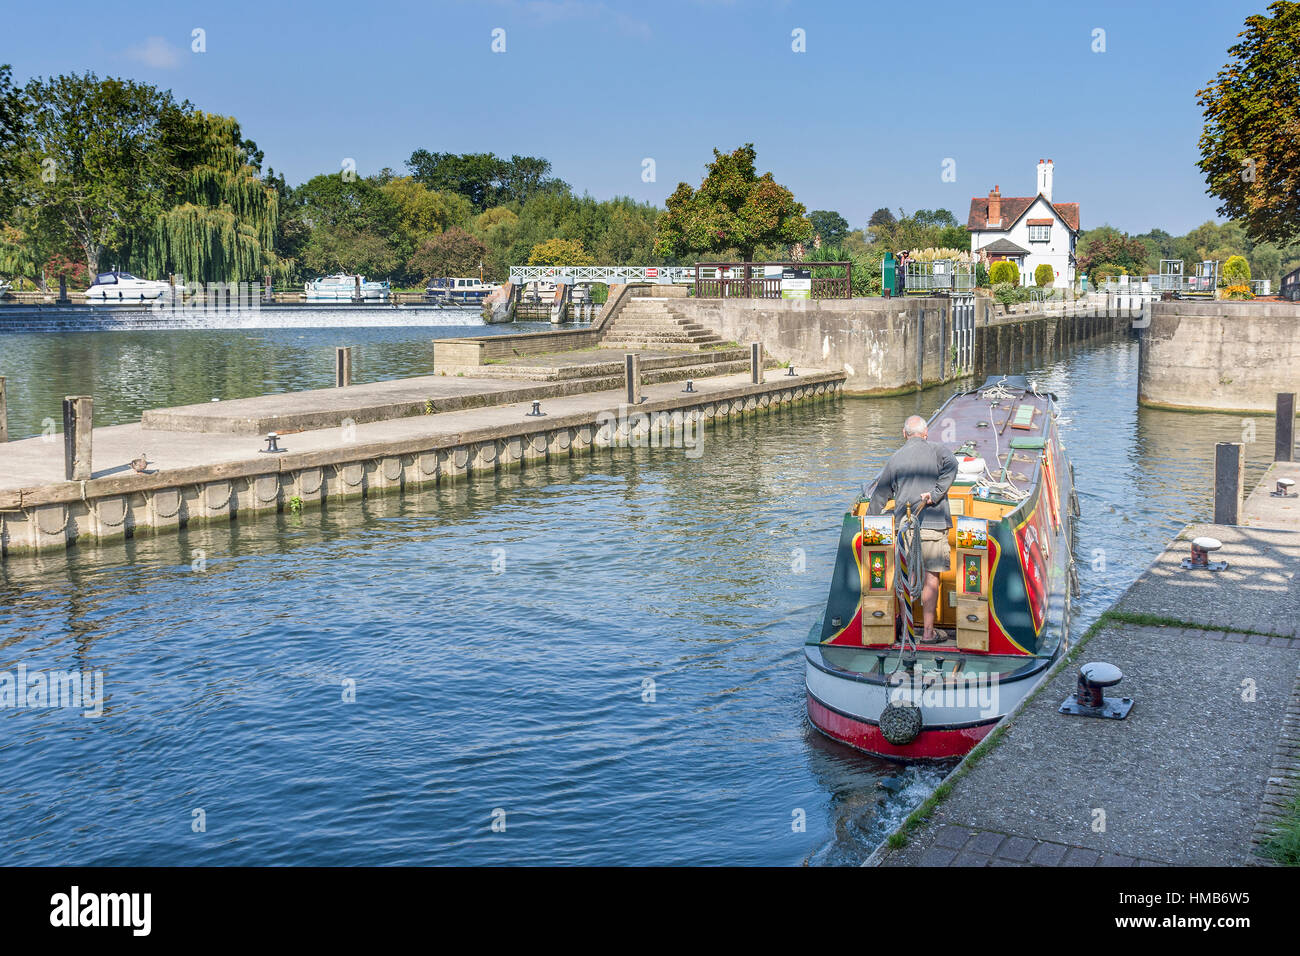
594,661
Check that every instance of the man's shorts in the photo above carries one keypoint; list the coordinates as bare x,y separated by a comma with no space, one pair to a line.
934,550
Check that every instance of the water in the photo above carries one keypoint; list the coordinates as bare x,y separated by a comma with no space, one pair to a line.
130,372
525,691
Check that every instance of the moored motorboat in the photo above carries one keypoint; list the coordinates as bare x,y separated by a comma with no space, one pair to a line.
118,286
459,290
342,287
1004,600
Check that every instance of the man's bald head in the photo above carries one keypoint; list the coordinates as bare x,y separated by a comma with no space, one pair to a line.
915,427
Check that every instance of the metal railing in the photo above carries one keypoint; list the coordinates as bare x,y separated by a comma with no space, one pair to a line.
610,275
940,276
747,280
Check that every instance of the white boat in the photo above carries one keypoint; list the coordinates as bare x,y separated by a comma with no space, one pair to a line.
459,290
120,286
342,287
4,288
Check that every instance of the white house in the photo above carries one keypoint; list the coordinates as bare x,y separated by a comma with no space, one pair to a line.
1027,230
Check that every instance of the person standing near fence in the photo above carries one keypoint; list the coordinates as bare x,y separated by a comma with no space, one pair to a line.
900,274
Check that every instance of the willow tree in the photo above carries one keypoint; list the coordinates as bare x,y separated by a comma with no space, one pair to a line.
220,219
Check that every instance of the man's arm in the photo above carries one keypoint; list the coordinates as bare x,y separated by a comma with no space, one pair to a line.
884,489
947,472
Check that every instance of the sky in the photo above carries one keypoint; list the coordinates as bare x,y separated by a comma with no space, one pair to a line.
878,103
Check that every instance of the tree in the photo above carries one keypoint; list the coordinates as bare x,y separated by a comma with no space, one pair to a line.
881,217
1107,245
97,159
559,252
1252,119
451,253
483,178
12,122
219,219
734,208
1044,275
422,211
830,226
338,211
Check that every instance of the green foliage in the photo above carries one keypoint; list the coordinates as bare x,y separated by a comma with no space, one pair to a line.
94,163
1252,113
484,179
734,208
559,252
829,225
1236,270
1009,293
981,275
446,254
1107,245
1044,275
1106,270
1284,846
1004,272
881,217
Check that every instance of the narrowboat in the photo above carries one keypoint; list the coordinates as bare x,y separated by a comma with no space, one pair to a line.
342,287
1003,612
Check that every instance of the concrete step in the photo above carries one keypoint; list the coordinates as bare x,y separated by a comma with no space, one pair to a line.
614,339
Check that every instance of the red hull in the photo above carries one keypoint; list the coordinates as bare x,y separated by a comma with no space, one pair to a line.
929,744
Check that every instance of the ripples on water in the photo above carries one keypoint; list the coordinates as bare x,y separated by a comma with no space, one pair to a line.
521,690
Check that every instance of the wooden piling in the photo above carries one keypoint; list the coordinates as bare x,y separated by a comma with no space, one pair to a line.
78,430
756,362
1229,478
342,366
1285,433
4,413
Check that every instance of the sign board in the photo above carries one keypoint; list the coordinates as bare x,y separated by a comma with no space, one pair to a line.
652,273
796,284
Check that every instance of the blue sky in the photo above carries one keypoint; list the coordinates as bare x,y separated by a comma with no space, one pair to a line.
865,117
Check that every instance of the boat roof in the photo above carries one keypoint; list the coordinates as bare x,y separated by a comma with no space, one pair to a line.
1003,418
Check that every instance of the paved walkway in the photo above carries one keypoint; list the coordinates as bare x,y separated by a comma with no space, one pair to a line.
1204,762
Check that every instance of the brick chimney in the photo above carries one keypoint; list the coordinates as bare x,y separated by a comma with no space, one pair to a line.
1045,179
995,209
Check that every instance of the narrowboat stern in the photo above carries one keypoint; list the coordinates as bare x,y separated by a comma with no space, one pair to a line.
1004,602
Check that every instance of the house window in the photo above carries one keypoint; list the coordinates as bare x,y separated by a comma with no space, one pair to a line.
1040,233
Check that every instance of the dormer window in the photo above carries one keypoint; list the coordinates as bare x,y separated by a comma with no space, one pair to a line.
1040,233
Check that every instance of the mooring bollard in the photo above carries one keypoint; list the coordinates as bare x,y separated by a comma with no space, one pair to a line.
356,286
1229,475
63,290
755,362
632,377
78,429
4,412
1285,444
342,366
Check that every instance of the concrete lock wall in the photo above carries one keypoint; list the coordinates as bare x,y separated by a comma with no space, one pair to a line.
1219,356
883,345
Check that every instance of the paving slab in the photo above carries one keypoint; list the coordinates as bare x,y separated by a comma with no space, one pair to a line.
1179,781
1262,510
1258,591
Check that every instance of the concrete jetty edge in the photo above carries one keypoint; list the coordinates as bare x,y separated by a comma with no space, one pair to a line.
56,515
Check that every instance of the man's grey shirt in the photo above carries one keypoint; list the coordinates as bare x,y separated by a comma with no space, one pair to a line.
919,466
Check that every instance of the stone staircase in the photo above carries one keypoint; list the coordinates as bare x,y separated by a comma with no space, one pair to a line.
645,323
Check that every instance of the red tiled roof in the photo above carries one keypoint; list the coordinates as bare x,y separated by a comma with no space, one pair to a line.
1039,222
1013,207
